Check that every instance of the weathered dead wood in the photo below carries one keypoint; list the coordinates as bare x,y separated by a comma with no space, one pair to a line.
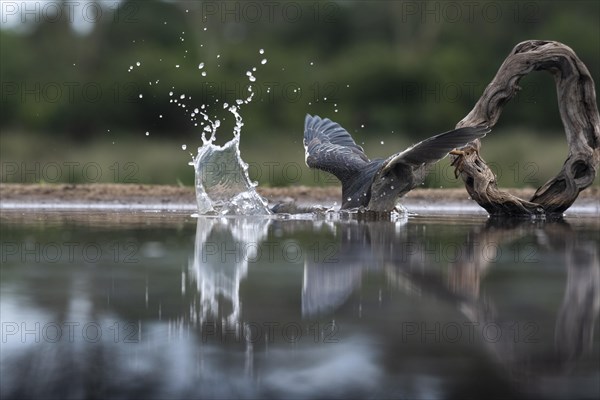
579,114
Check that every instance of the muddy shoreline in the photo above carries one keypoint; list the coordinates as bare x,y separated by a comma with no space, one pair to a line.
164,194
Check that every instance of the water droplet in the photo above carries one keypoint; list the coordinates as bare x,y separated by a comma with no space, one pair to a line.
147,133
201,65
252,79
176,65
203,73
170,93
264,61
382,142
312,63
160,116
261,51
141,95
204,29
218,56
182,96
183,147
362,126
196,110
138,63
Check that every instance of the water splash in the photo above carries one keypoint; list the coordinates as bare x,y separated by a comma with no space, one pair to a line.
223,185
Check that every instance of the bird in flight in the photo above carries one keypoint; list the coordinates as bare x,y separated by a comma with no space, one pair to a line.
376,184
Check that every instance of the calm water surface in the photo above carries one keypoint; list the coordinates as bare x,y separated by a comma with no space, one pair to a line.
164,305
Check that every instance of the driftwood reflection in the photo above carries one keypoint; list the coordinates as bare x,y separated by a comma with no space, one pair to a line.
581,303
579,309
406,260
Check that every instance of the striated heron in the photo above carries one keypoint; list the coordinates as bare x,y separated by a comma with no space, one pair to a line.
377,184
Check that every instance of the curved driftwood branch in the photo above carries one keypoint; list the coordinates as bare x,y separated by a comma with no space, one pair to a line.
579,114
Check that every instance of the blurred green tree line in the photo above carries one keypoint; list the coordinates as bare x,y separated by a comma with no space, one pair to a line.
392,66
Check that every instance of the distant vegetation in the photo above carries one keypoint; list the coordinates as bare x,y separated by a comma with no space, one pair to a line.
395,71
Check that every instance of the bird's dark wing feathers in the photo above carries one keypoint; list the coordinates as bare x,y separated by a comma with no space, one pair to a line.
436,147
330,148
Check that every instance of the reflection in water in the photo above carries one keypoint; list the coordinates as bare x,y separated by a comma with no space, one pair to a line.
579,309
385,246
331,278
333,309
223,247
580,304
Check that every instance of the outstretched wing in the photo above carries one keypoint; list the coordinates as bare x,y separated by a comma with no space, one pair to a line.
436,147
330,148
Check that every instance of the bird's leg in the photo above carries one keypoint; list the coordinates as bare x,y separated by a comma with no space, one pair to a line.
457,152
457,163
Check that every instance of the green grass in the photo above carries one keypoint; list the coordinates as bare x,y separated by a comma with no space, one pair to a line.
520,158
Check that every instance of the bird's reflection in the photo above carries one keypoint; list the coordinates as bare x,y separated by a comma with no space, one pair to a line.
326,284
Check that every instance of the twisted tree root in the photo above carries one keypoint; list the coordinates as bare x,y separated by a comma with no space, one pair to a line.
579,114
